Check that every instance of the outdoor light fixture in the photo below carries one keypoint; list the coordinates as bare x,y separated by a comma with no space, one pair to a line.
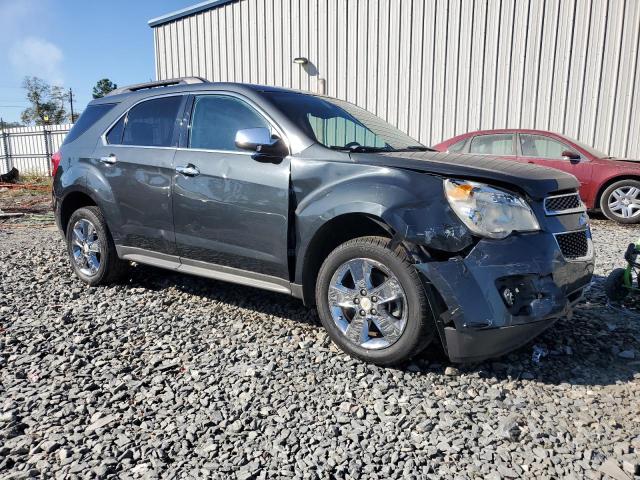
301,60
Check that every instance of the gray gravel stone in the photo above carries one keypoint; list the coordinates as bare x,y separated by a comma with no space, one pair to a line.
171,376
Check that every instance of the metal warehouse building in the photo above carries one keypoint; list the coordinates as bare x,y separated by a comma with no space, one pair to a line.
434,68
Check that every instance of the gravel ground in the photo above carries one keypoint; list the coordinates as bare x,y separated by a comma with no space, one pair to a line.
175,376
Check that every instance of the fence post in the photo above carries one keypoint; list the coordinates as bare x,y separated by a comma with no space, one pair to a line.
7,153
47,147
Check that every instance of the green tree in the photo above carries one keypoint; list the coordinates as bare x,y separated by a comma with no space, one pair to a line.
103,87
47,103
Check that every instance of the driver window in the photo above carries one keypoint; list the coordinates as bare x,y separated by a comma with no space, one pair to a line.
216,119
341,131
541,147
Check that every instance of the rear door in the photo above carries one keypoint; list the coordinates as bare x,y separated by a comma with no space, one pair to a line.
547,152
135,157
229,209
500,145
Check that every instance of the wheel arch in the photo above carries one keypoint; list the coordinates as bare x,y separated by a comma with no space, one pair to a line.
331,234
71,202
606,184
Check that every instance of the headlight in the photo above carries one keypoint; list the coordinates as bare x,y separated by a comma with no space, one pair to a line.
487,211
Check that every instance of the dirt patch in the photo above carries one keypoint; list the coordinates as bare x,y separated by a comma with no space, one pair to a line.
31,195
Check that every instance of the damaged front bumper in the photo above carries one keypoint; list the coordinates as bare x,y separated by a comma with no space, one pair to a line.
504,293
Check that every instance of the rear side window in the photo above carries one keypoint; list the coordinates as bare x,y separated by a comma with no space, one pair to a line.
91,115
492,144
150,123
217,118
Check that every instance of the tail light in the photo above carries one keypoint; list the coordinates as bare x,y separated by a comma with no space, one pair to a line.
55,163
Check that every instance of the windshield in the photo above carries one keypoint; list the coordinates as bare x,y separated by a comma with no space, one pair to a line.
341,125
591,150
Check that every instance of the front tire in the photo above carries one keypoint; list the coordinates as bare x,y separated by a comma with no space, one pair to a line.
91,250
372,303
621,201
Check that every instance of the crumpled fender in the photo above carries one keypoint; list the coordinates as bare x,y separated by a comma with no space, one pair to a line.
411,204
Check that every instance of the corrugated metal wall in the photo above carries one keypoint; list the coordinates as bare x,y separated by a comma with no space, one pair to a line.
434,68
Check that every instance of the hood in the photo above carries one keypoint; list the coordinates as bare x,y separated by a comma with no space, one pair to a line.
534,180
623,161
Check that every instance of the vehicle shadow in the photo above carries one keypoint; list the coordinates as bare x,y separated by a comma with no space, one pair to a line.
592,348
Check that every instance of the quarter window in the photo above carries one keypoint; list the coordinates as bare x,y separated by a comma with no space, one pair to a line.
542,147
114,137
150,123
492,144
457,147
217,118
89,117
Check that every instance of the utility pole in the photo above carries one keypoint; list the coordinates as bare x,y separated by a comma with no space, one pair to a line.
71,102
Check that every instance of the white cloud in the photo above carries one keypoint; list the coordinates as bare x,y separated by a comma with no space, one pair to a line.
37,57
20,18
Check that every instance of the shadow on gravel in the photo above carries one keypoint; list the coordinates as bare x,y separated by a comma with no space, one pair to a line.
600,345
261,301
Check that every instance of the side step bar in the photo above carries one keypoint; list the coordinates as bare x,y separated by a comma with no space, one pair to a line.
208,270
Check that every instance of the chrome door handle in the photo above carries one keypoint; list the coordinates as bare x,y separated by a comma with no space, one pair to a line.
110,160
188,170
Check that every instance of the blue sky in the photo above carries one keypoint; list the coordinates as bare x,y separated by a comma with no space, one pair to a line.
74,43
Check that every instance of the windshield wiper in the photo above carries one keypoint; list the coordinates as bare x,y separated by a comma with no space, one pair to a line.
361,149
419,148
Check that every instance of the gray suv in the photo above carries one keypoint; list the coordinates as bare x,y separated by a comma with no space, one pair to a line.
396,245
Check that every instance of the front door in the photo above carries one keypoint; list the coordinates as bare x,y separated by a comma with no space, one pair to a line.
547,152
136,160
229,209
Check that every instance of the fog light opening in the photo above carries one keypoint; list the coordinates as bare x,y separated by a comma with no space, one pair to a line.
509,296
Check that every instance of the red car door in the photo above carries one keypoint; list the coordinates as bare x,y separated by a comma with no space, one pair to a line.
548,152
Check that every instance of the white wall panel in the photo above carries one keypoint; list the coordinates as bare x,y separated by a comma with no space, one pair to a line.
434,68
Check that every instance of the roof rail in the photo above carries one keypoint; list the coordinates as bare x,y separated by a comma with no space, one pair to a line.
159,83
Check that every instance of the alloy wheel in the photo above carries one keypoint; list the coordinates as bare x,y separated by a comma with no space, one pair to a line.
624,201
86,247
367,303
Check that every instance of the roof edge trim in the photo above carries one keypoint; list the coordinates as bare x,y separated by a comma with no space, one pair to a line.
185,12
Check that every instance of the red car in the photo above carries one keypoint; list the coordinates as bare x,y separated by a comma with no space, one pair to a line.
609,184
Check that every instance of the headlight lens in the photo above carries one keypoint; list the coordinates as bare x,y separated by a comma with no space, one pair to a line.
488,211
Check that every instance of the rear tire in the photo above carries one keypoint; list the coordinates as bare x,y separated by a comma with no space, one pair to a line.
91,250
396,324
614,286
618,200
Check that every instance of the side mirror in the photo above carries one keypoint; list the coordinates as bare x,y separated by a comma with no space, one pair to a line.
572,156
259,140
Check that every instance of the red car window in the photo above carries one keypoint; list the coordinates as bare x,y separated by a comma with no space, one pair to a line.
492,144
541,147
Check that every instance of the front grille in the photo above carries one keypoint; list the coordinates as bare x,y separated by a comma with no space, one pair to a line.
560,204
573,244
